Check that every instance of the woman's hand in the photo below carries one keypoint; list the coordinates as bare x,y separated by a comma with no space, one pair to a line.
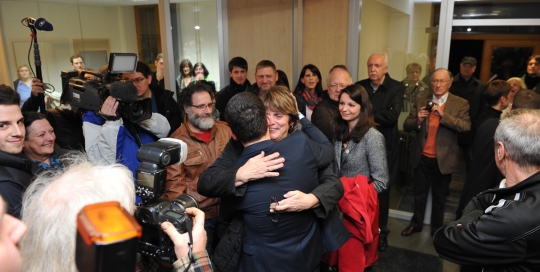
295,201
259,167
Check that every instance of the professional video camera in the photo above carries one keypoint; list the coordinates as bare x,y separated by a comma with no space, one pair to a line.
90,94
150,185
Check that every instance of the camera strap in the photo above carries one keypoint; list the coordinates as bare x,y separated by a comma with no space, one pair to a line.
134,132
190,244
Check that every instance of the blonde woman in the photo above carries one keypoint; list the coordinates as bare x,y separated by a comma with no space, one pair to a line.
23,85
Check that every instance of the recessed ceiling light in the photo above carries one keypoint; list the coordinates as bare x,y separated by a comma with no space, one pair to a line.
197,27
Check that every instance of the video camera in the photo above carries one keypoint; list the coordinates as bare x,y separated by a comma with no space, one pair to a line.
89,94
151,177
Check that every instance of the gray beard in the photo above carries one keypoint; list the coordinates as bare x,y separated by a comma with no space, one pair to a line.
198,122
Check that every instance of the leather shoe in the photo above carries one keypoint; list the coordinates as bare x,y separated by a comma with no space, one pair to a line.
383,243
410,230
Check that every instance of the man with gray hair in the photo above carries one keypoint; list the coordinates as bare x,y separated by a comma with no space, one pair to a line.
499,230
386,95
52,202
435,153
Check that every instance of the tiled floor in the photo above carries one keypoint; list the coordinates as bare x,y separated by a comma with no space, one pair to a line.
421,241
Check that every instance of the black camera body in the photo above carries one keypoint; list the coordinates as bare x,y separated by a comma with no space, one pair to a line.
155,242
429,106
150,185
89,94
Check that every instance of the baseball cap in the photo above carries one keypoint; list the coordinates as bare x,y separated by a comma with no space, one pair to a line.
469,60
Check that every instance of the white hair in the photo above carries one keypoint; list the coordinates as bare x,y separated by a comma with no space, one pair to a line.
383,55
51,204
519,131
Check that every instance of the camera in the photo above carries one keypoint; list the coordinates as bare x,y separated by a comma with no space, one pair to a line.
151,177
89,94
429,106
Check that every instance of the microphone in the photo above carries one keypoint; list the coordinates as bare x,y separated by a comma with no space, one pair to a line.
124,91
39,23
43,25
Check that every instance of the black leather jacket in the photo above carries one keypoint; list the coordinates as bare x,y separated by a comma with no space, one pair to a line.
499,230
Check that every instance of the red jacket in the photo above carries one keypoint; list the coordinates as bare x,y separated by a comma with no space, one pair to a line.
360,207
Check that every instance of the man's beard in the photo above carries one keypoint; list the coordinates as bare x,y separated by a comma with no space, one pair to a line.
199,122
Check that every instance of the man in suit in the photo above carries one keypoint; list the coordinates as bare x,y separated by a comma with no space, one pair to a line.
435,152
386,95
276,241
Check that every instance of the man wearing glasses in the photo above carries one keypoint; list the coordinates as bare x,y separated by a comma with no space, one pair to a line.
325,112
205,138
435,152
386,95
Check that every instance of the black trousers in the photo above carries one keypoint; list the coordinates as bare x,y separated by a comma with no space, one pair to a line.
384,208
425,175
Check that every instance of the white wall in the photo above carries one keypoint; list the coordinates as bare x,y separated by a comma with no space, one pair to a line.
115,23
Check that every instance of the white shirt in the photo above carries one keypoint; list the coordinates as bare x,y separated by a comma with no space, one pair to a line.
440,101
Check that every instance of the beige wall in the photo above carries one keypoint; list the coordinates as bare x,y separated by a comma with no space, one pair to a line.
325,34
261,30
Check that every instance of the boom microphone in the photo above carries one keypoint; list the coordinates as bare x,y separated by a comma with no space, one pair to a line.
43,25
39,23
124,91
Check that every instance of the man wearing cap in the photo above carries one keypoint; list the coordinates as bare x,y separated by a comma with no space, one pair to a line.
468,87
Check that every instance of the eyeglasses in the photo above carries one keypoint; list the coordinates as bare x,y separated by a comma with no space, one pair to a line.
436,82
203,106
275,215
138,80
334,86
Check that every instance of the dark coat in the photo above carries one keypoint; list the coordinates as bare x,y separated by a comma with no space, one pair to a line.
498,230
387,104
300,232
472,92
223,96
167,107
484,173
324,116
15,177
455,120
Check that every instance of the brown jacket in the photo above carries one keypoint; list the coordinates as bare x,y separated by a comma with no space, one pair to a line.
183,178
455,119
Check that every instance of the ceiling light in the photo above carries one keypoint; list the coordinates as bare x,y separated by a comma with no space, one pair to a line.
197,27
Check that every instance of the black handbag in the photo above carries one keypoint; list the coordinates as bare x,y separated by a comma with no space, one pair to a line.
229,249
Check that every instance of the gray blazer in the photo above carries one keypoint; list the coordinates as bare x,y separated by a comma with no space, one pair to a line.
455,119
367,158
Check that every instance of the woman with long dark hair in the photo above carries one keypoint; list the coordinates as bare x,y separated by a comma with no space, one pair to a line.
359,160
309,87
359,147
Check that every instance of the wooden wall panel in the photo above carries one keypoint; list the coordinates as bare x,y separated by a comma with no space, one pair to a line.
325,34
262,30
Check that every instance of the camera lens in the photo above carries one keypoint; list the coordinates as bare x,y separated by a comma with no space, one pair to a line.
137,110
145,218
166,158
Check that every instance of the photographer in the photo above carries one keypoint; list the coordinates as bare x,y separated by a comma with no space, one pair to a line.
53,201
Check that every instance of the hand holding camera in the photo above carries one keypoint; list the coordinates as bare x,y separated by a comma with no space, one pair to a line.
181,241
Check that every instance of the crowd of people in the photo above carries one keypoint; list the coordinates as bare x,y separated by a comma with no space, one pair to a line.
285,179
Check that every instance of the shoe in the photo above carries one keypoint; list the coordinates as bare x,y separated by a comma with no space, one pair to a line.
410,230
383,243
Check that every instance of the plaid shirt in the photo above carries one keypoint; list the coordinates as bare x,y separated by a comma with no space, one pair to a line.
202,263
